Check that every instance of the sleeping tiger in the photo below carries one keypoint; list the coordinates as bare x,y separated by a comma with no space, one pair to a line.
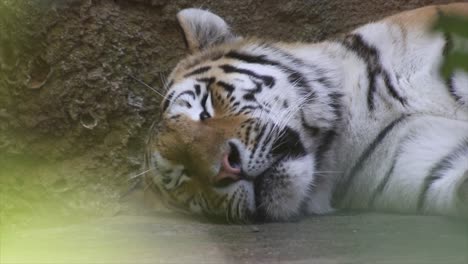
252,130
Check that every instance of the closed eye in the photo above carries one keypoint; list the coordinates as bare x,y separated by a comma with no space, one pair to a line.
183,102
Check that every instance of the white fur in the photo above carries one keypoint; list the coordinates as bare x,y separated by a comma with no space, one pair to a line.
203,29
288,200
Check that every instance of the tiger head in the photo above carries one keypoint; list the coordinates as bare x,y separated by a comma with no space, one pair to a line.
240,127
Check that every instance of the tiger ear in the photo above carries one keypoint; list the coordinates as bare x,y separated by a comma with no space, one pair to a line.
203,29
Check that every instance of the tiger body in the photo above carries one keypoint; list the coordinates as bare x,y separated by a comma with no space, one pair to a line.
271,131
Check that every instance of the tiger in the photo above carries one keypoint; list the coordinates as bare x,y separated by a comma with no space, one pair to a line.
252,130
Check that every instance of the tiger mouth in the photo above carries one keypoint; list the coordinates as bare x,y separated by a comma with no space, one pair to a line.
232,159
261,182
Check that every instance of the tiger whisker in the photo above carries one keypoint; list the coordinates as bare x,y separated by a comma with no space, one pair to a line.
163,79
279,130
294,111
146,85
140,174
146,187
278,127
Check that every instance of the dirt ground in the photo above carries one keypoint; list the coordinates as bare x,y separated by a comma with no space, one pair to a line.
73,120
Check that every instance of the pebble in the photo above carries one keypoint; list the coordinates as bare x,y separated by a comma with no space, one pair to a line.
254,229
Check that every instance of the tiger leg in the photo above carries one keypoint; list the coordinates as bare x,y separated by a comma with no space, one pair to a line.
419,166
446,191
435,151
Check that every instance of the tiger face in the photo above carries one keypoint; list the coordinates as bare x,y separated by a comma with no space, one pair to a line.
231,142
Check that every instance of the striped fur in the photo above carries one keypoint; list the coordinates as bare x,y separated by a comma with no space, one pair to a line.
363,122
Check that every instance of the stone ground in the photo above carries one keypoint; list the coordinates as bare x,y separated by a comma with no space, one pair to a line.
363,238
165,237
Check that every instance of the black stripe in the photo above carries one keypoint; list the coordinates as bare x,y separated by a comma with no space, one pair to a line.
274,132
257,139
325,146
208,81
311,130
266,79
382,184
299,81
204,114
167,101
294,77
326,142
249,107
289,144
247,136
437,172
343,188
217,204
258,88
371,57
229,207
336,104
319,74
257,59
448,46
198,71
205,202
197,89
324,81
371,90
226,86
239,205
391,88
178,181
236,194
191,93
249,97
452,90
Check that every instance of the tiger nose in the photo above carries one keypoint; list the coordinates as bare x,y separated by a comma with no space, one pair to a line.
230,169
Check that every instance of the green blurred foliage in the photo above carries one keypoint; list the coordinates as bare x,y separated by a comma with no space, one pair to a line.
455,28
37,193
